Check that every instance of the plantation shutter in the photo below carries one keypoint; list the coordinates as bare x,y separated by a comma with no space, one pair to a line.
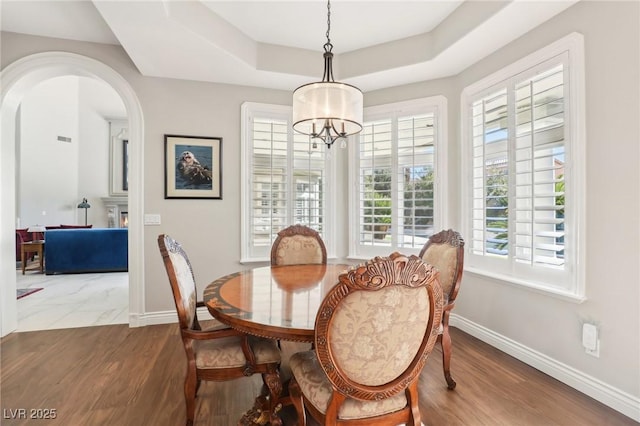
308,183
396,179
525,171
284,180
416,168
518,137
490,175
269,180
539,168
375,182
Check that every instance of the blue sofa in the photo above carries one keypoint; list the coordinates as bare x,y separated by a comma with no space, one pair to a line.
86,250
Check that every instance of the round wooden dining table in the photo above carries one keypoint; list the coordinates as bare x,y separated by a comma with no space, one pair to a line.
277,302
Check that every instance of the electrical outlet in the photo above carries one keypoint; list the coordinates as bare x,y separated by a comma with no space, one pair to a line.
594,352
590,339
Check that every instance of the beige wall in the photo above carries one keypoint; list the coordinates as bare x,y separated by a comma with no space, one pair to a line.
208,229
545,324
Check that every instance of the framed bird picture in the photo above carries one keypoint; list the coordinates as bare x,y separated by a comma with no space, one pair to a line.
192,167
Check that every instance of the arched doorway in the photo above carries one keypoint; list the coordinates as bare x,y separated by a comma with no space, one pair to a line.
17,79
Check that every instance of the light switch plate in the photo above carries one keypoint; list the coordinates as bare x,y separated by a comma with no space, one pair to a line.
152,219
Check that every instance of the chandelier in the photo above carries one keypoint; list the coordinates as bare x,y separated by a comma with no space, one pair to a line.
327,110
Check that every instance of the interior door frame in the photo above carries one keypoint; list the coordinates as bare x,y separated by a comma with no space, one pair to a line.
17,79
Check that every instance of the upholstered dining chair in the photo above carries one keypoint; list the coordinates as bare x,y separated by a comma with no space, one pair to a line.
216,354
22,236
374,331
297,245
445,251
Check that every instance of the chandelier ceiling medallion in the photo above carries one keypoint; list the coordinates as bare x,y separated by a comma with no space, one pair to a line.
327,110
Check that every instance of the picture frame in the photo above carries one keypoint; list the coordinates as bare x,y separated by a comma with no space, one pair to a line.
125,164
192,167
118,159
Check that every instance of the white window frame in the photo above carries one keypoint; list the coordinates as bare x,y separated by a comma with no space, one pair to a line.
569,283
277,112
433,104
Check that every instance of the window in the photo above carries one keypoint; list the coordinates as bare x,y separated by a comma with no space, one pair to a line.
396,184
524,156
285,180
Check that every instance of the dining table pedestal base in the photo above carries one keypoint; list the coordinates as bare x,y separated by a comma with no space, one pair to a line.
266,410
261,414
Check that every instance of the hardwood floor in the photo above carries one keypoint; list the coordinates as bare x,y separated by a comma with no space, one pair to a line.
119,376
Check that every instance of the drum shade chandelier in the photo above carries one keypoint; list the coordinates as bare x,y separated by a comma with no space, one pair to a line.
327,110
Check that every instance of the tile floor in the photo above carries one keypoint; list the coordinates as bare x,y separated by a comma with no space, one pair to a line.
72,300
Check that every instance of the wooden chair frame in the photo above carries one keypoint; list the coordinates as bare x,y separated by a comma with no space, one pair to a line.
454,239
297,230
374,275
193,332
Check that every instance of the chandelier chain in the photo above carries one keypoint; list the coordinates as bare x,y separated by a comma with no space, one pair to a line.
328,25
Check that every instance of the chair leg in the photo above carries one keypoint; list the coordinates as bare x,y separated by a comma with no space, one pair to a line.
412,401
446,351
190,384
295,393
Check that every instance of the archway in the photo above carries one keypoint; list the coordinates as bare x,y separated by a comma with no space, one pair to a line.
17,79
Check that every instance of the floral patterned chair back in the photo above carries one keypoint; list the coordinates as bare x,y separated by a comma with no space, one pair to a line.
374,332
183,283
298,245
445,251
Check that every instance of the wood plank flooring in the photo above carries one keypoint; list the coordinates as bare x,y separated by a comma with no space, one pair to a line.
121,376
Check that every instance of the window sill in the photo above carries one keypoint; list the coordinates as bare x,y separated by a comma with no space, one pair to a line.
558,293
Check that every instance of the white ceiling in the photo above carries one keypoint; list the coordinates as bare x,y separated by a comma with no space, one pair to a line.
278,44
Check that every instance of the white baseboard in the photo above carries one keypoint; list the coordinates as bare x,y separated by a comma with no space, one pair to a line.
620,401
163,317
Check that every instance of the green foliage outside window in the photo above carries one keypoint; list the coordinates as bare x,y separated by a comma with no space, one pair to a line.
377,203
418,203
497,207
